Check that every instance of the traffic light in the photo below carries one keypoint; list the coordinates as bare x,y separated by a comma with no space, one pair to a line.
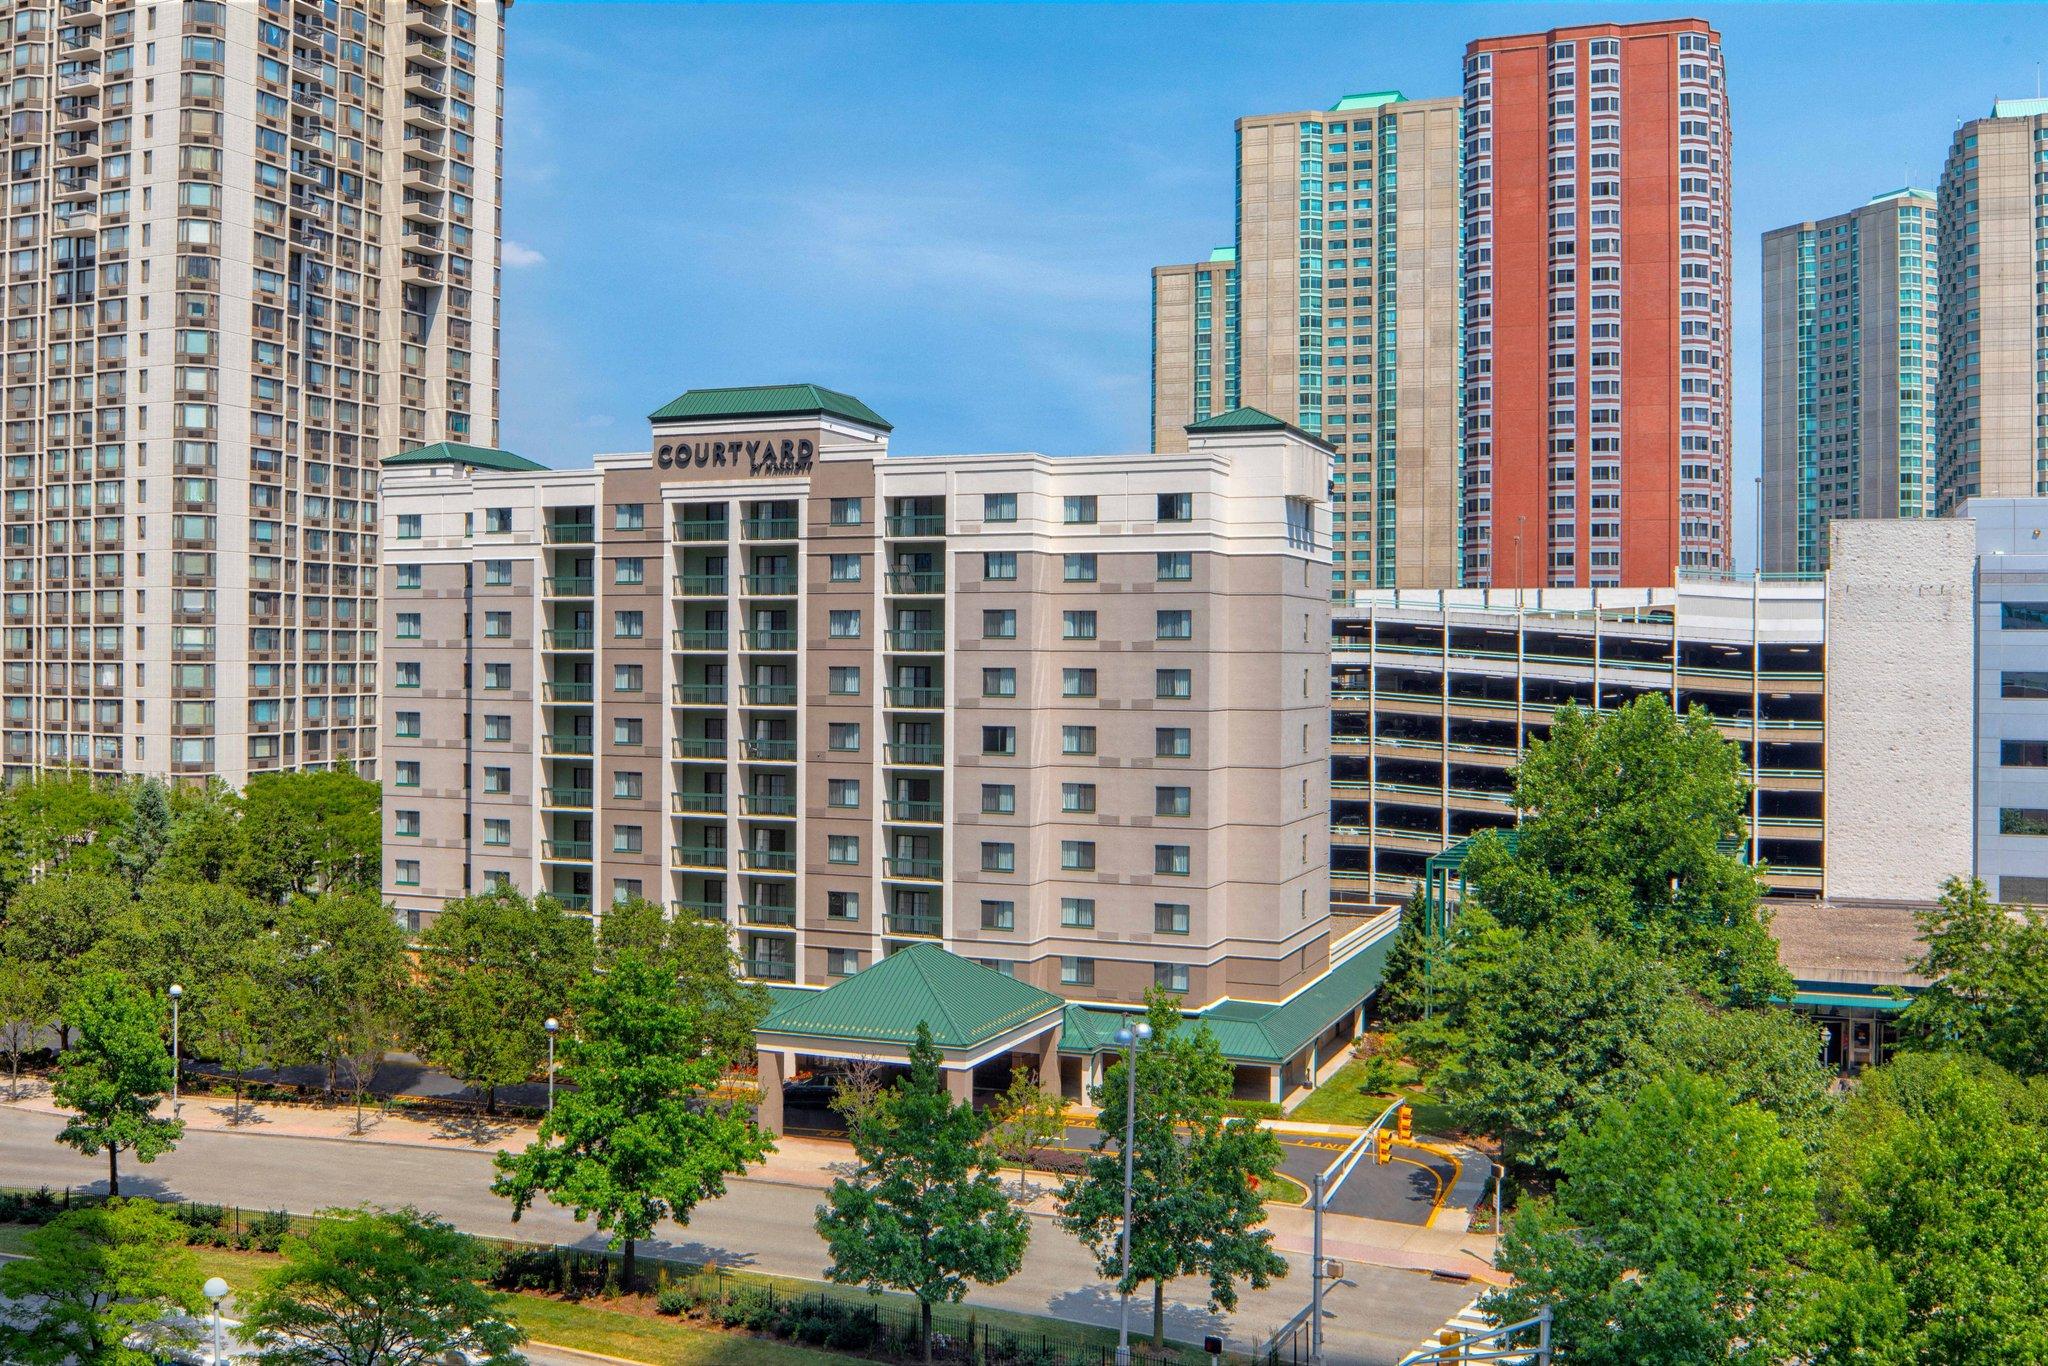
1404,1123
1385,1144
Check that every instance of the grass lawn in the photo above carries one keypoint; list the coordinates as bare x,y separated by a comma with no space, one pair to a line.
1343,1099
639,1337
1284,1190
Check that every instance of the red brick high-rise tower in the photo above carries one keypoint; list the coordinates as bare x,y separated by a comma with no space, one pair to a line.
1597,306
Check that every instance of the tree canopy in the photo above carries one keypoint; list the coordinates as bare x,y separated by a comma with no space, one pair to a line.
115,1074
1987,991
94,1277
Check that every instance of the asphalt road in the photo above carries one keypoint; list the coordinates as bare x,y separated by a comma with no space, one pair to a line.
759,1225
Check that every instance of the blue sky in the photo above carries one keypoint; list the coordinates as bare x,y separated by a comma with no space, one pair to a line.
952,210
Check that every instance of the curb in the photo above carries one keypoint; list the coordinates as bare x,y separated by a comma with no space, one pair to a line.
582,1355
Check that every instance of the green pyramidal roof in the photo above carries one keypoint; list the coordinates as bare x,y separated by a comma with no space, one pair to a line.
1370,100
1240,420
962,1003
768,400
453,452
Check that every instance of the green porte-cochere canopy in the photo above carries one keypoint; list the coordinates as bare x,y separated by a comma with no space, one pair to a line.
963,1004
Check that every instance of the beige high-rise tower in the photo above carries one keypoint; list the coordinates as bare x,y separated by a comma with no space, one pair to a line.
1992,405
253,251
1194,345
1347,323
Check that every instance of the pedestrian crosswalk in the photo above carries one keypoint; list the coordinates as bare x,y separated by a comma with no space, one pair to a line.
1463,1325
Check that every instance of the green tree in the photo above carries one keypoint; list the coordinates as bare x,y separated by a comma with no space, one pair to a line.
322,830
231,1023
1553,1032
638,1138
56,819
115,1074
1767,1056
206,835
1678,1234
28,1007
923,1211
346,986
189,933
1195,1173
1026,1120
1622,818
59,920
1937,1172
93,1278
141,843
1987,970
494,968
374,1287
700,952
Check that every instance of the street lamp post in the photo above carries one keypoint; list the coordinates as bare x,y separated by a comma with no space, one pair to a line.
552,1026
1500,1177
177,995
1128,1038
216,1290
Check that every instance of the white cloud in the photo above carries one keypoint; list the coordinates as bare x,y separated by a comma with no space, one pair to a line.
519,256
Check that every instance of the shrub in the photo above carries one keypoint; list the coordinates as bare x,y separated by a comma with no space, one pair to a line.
1252,1109
266,1232
675,1300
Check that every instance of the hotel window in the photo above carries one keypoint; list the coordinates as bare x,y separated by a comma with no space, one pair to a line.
406,673
1174,684
1170,860
1077,625
998,682
997,857
842,962
1077,739
628,677
1175,566
842,849
846,568
1176,507
2023,820
497,573
1078,509
2023,616
626,785
999,624
629,625
409,530
1077,798
846,512
843,736
625,889
498,729
1172,801
629,570
998,799
1170,977
999,565
1077,683
408,723
1079,569
998,507
1172,742
1077,856
998,739
1169,917
843,792
497,521
406,823
1077,972
627,730
842,905
1175,625
2022,753
408,625
629,517
406,576
844,623
497,781
843,680
497,625
999,915
2020,685
625,839
497,677
497,830
406,872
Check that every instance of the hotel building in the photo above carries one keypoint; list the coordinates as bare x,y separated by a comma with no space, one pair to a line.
253,248
1597,286
1992,405
1850,361
1194,345
1064,717
1345,321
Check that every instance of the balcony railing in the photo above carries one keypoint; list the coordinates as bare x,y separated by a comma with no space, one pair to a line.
922,869
756,914
702,910
691,529
770,639
914,924
771,969
700,855
768,804
774,751
700,694
701,638
569,640
920,640
917,582
578,902
768,860
917,696
926,812
572,533
769,694
571,744
772,585
570,585
917,752
700,747
574,798
569,692
700,803
701,585
770,528
579,850
917,524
